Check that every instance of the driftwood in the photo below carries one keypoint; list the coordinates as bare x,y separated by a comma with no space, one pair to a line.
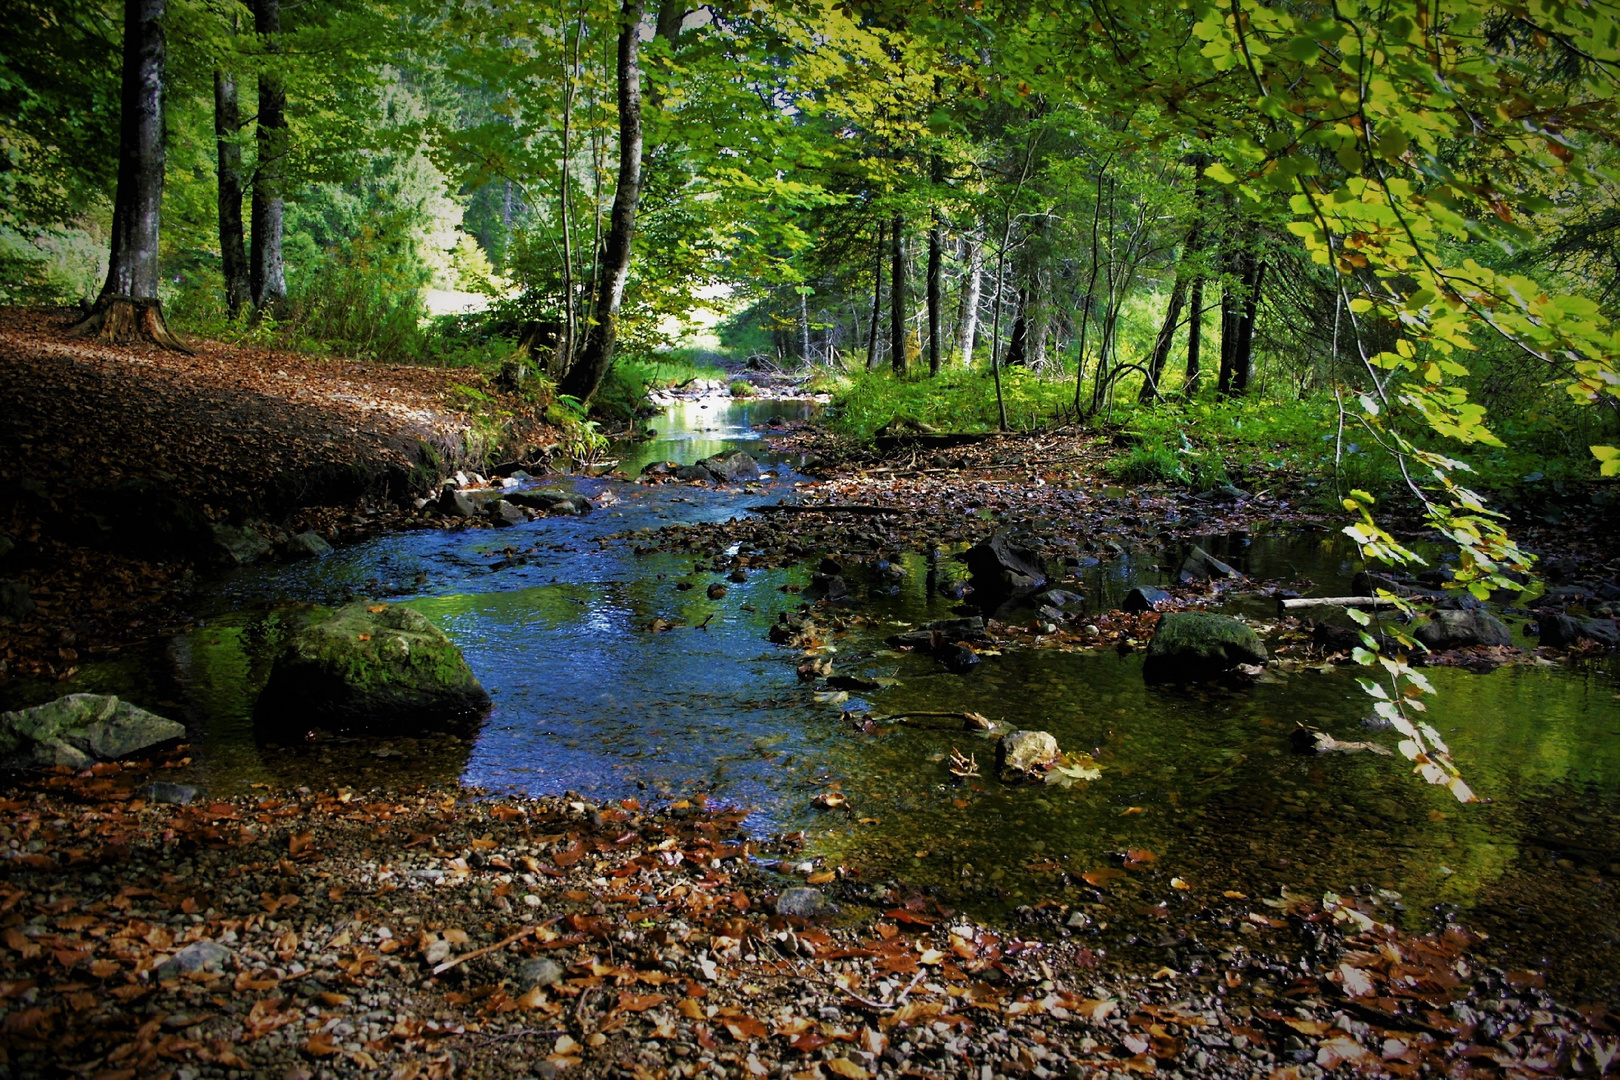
1305,603
830,508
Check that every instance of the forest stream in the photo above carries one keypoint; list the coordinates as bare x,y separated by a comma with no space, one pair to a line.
556,620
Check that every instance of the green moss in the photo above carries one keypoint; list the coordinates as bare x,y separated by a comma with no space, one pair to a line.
1194,645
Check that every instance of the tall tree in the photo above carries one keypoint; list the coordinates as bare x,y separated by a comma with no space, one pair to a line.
128,307
268,275
936,245
872,342
969,318
232,242
897,294
592,364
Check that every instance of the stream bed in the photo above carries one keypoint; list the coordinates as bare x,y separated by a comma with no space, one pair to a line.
555,623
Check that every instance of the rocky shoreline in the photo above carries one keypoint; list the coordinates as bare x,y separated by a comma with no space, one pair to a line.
440,933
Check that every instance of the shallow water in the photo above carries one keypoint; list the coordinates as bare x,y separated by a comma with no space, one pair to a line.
588,698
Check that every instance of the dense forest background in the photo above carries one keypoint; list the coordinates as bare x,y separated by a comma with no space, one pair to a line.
1394,228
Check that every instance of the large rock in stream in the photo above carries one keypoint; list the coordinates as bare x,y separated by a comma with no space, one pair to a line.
1002,567
370,666
1459,629
1194,646
79,730
730,467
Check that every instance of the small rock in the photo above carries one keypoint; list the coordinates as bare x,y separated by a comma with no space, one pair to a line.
453,503
205,955
15,603
539,971
502,512
802,903
730,467
1001,567
308,545
173,794
79,729
716,591
830,567
959,658
1200,565
738,576
826,587
238,546
1144,598
436,953
1022,751
552,501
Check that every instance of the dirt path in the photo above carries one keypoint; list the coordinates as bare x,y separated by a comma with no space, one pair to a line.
286,440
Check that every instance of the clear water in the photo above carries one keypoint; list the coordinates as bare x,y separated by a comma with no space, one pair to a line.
588,698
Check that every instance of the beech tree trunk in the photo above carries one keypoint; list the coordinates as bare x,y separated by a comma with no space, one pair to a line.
804,327
592,364
232,241
872,346
128,308
970,299
1018,344
897,295
267,277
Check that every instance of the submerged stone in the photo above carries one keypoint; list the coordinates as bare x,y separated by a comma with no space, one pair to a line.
1022,751
1192,646
308,545
1556,629
370,666
802,903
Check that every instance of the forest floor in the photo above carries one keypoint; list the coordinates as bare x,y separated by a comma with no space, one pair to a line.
437,933
284,440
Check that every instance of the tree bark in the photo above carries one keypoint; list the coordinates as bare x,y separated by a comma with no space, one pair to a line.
1230,308
936,244
970,298
897,295
1018,344
586,374
1195,337
267,277
1243,355
872,346
1166,338
128,307
804,327
232,241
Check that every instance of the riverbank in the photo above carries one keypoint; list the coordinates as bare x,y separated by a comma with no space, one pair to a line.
119,465
438,933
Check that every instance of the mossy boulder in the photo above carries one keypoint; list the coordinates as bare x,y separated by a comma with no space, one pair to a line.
1194,646
370,666
80,729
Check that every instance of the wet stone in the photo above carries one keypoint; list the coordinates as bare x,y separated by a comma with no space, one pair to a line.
802,903
538,971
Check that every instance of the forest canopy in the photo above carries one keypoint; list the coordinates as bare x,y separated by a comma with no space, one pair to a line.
1409,210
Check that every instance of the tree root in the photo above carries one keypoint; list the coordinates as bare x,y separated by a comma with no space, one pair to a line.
124,320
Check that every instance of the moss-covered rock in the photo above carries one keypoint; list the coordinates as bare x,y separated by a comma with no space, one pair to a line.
1192,646
370,666
79,730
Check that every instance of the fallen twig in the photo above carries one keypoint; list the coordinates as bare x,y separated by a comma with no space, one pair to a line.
503,943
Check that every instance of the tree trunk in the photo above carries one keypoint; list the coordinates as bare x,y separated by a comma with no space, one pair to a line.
1229,321
268,276
1243,355
897,295
970,299
1166,338
936,254
1195,337
128,307
804,327
232,240
1037,321
593,362
872,346
1017,345
936,244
